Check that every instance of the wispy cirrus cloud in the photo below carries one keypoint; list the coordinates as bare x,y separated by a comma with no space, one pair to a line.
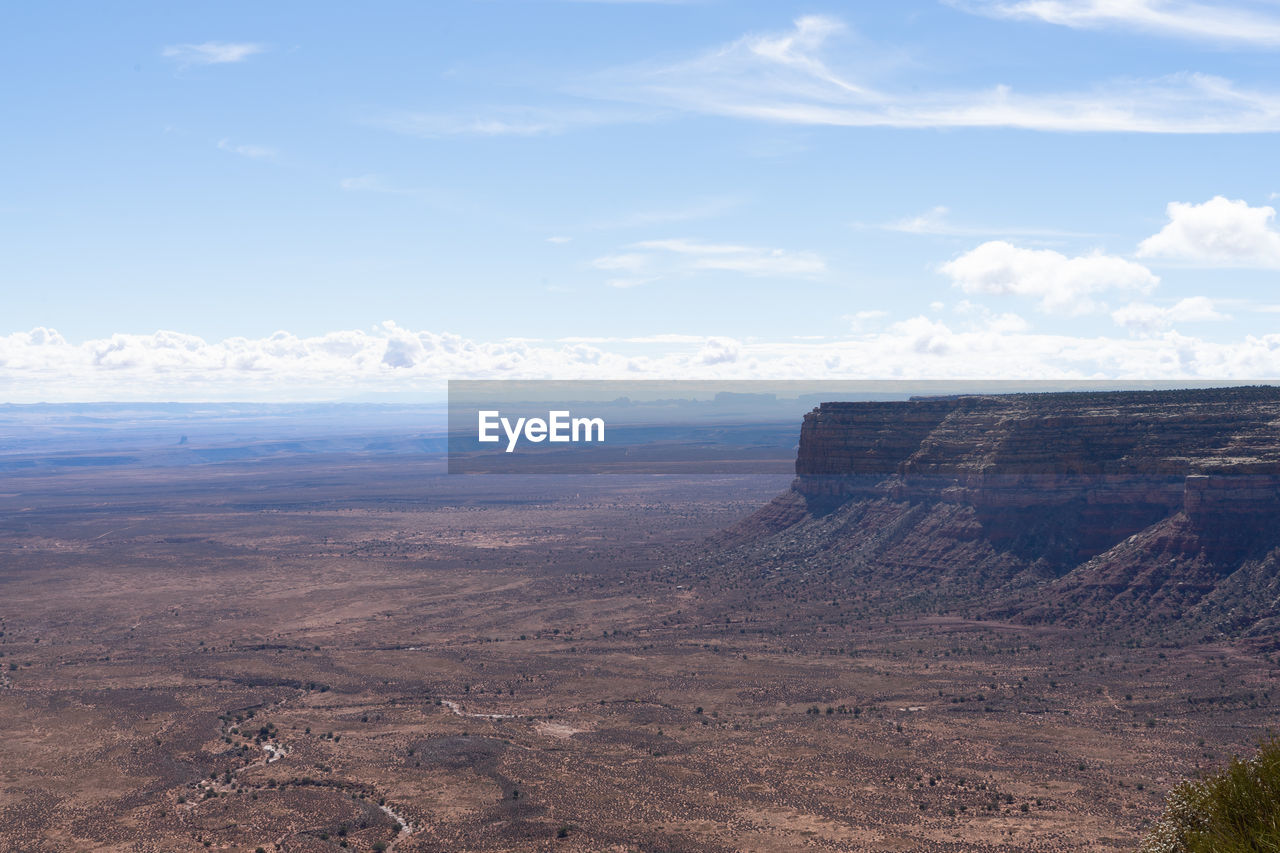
431,125
374,183
507,121
652,260
253,152
937,222
699,209
707,208
794,77
810,75
1253,24
212,52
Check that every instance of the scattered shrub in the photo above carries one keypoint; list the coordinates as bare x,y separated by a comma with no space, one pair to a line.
1236,810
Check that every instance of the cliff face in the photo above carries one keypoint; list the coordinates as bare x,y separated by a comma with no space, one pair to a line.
1116,463
1154,497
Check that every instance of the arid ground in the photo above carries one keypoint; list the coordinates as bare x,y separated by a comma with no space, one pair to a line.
348,652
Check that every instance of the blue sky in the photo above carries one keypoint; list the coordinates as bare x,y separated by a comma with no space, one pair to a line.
246,200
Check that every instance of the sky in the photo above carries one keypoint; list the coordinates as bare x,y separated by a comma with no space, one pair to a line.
320,201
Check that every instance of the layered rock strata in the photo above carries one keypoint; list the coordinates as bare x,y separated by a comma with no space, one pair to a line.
1115,463
1119,508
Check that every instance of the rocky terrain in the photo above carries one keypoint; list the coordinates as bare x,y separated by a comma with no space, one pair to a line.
1157,508
326,649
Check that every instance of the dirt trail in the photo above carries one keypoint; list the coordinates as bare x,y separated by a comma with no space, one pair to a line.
462,712
406,828
274,750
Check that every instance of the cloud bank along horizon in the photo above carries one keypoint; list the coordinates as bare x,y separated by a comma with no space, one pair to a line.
614,190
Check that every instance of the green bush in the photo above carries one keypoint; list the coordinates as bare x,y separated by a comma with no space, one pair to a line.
1236,810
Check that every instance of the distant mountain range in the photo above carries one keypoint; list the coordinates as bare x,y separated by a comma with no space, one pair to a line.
60,436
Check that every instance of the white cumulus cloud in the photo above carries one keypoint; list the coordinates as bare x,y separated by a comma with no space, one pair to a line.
1220,232
1145,318
862,320
41,364
719,351
1062,284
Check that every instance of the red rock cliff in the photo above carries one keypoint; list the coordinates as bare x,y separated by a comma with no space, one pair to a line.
1121,460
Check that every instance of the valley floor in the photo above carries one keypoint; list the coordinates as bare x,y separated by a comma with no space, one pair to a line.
298,656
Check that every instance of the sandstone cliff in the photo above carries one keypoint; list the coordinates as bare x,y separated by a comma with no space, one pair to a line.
1159,506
